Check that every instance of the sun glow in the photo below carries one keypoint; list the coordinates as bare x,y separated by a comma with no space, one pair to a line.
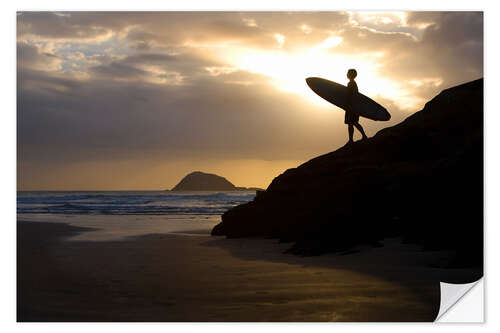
287,70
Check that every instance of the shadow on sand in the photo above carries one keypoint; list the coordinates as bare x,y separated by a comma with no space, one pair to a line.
402,264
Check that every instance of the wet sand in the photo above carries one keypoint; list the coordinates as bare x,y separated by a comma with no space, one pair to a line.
174,277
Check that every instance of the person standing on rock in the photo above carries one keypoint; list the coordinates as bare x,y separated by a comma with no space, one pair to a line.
351,117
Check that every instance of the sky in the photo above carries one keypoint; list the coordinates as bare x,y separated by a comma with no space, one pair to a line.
136,100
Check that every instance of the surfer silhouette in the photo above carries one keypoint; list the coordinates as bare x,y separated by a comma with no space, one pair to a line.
351,117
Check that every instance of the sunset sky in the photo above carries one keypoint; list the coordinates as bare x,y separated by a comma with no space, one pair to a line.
137,100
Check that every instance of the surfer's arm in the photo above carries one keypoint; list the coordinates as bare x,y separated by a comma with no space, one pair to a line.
350,93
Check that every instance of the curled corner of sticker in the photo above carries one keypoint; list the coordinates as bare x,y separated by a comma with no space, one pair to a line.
451,294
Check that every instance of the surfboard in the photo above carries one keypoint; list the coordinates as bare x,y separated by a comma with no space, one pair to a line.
336,94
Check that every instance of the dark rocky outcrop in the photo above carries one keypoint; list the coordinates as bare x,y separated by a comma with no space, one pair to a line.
200,181
421,179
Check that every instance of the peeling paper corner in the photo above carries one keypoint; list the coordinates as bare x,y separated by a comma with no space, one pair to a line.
455,305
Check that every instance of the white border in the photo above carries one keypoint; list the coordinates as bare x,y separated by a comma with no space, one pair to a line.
256,5
8,149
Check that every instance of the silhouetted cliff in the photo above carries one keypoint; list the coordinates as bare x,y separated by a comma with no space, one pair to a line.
422,179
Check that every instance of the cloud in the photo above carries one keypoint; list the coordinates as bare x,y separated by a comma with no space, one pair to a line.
31,57
449,50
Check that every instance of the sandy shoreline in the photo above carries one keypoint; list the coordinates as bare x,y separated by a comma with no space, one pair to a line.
197,278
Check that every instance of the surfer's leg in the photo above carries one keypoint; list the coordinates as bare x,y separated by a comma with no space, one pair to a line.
350,129
360,129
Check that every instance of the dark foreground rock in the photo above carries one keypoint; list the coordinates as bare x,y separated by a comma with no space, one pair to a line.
422,179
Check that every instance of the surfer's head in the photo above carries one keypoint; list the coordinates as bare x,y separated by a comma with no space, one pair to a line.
351,74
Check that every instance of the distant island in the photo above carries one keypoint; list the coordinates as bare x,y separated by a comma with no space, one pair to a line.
201,181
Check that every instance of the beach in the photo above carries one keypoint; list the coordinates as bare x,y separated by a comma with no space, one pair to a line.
197,278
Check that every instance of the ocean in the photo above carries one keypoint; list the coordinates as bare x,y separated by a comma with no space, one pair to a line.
118,214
